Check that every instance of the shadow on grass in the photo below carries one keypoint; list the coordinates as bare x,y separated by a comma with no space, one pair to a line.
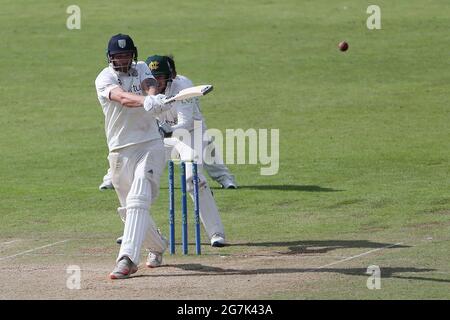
310,246
197,270
302,247
288,187
318,246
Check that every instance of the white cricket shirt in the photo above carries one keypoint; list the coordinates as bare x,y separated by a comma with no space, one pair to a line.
125,126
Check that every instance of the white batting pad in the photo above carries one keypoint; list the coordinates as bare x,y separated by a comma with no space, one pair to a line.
136,225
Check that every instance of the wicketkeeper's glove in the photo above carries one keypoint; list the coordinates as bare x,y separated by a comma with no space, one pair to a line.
165,129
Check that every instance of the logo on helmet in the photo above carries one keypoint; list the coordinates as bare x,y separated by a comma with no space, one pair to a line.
122,43
154,65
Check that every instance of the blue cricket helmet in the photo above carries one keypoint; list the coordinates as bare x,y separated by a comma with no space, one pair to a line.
121,43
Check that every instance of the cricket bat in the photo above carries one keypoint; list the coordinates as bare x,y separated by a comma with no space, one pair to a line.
191,92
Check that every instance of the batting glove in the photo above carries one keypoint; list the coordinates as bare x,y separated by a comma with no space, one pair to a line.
155,104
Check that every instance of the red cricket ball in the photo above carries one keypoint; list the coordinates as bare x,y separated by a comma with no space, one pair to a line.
343,46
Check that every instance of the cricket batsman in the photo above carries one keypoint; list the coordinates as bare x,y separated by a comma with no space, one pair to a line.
126,90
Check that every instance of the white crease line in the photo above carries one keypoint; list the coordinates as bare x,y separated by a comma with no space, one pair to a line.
9,242
58,269
357,256
31,250
70,255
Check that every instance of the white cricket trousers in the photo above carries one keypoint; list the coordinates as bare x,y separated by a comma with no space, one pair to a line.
216,169
136,171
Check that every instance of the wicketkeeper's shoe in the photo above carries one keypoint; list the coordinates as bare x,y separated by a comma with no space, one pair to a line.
218,240
230,185
124,268
106,185
227,182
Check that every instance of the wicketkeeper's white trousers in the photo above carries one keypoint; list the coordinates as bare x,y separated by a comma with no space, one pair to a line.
209,213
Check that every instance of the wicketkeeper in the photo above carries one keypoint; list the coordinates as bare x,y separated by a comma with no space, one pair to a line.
183,115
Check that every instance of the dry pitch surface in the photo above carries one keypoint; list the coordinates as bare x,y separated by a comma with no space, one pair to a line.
41,269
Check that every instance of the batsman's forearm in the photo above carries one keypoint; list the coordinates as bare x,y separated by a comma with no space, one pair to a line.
127,99
132,101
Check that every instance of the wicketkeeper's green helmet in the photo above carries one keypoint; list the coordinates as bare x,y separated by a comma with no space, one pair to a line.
159,65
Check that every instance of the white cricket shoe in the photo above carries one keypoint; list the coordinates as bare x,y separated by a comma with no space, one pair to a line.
217,240
106,185
154,259
124,268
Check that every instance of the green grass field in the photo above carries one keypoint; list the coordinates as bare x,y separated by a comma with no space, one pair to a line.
364,142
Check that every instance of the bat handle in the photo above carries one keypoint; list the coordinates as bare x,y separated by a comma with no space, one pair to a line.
169,99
